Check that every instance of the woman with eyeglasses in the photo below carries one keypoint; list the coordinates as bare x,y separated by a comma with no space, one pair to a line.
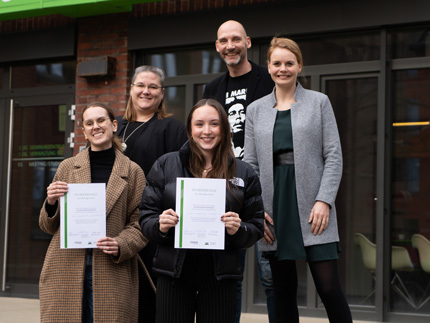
148,132
292,142
101,284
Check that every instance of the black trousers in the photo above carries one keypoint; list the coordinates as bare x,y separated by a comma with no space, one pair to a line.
197,293
146,293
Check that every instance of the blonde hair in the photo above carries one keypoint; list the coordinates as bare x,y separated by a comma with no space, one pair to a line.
130,113
286,43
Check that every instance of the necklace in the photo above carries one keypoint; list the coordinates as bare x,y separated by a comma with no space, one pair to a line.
124,138
207,169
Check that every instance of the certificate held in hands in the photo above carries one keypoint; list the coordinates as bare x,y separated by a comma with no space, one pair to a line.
200,202
83,215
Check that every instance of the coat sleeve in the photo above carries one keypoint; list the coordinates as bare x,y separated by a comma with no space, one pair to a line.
332,155
130,239
50,224
152,205
252,215
250,155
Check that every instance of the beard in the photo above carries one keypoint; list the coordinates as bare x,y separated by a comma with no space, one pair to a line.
232,63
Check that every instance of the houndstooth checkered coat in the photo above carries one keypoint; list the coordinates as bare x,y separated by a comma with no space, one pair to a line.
115,279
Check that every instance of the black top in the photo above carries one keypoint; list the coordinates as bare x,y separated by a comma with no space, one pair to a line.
101,164
260,85
236,94
153,139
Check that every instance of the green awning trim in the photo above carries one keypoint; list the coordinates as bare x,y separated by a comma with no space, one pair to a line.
17,9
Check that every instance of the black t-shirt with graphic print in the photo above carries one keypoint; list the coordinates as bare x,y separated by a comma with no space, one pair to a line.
235,106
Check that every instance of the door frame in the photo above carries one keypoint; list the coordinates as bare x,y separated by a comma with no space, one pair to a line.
7,105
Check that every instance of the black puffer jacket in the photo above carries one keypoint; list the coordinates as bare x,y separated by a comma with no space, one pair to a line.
160,195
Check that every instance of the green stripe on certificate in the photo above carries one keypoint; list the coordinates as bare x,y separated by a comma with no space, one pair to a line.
181,223
65,220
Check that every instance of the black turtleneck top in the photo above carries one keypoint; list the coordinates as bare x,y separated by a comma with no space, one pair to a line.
101,164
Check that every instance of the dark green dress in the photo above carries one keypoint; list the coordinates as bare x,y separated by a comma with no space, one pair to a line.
285,207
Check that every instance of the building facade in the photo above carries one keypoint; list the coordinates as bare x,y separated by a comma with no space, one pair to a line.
372,58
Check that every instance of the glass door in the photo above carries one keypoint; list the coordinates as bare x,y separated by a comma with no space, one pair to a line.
39,127
410,183
355,102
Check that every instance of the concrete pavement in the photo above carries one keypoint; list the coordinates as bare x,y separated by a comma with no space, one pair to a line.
24,310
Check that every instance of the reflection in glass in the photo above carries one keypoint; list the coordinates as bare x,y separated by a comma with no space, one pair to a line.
355,105
407,43
175,101
335,49
185,62
43,74
411,180
199,89
38,148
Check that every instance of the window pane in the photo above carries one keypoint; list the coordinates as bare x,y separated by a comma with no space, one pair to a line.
43,74
175,101
414,42
337,49
1,77
355,104
199,61
410,188
198,92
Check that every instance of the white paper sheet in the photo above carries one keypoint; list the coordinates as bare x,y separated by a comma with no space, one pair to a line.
200,202
83,215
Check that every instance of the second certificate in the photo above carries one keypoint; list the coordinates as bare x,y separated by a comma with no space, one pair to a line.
200,202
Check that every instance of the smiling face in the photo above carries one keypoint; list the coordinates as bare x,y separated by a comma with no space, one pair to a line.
283,67
206,129
146,93
98,128
232,43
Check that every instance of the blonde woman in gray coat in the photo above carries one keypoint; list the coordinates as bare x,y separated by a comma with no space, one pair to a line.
292,142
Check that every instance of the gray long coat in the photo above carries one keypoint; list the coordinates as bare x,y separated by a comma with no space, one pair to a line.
115,279
317,155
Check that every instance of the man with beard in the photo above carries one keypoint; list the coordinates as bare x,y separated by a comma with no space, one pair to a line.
244,83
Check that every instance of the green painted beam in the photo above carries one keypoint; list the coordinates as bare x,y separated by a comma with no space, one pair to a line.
17,9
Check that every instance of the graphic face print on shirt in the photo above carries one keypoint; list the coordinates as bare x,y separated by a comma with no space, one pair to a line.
235,104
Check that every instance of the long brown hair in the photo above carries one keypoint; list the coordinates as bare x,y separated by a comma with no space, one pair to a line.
116,143
223,160
130,113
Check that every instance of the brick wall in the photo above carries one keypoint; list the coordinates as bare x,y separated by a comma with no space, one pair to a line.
35,23
102,36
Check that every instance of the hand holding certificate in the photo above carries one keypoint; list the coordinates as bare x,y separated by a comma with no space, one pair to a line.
200,202
83,215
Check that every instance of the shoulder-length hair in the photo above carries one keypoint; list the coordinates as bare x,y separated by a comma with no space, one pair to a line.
116,143
223,161
130,113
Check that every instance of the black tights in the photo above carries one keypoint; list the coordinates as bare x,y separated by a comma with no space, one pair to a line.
326,279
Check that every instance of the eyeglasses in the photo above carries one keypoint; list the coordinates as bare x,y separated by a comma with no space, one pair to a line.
151,87
101,121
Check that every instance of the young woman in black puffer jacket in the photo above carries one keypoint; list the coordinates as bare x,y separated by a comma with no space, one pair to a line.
196,282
